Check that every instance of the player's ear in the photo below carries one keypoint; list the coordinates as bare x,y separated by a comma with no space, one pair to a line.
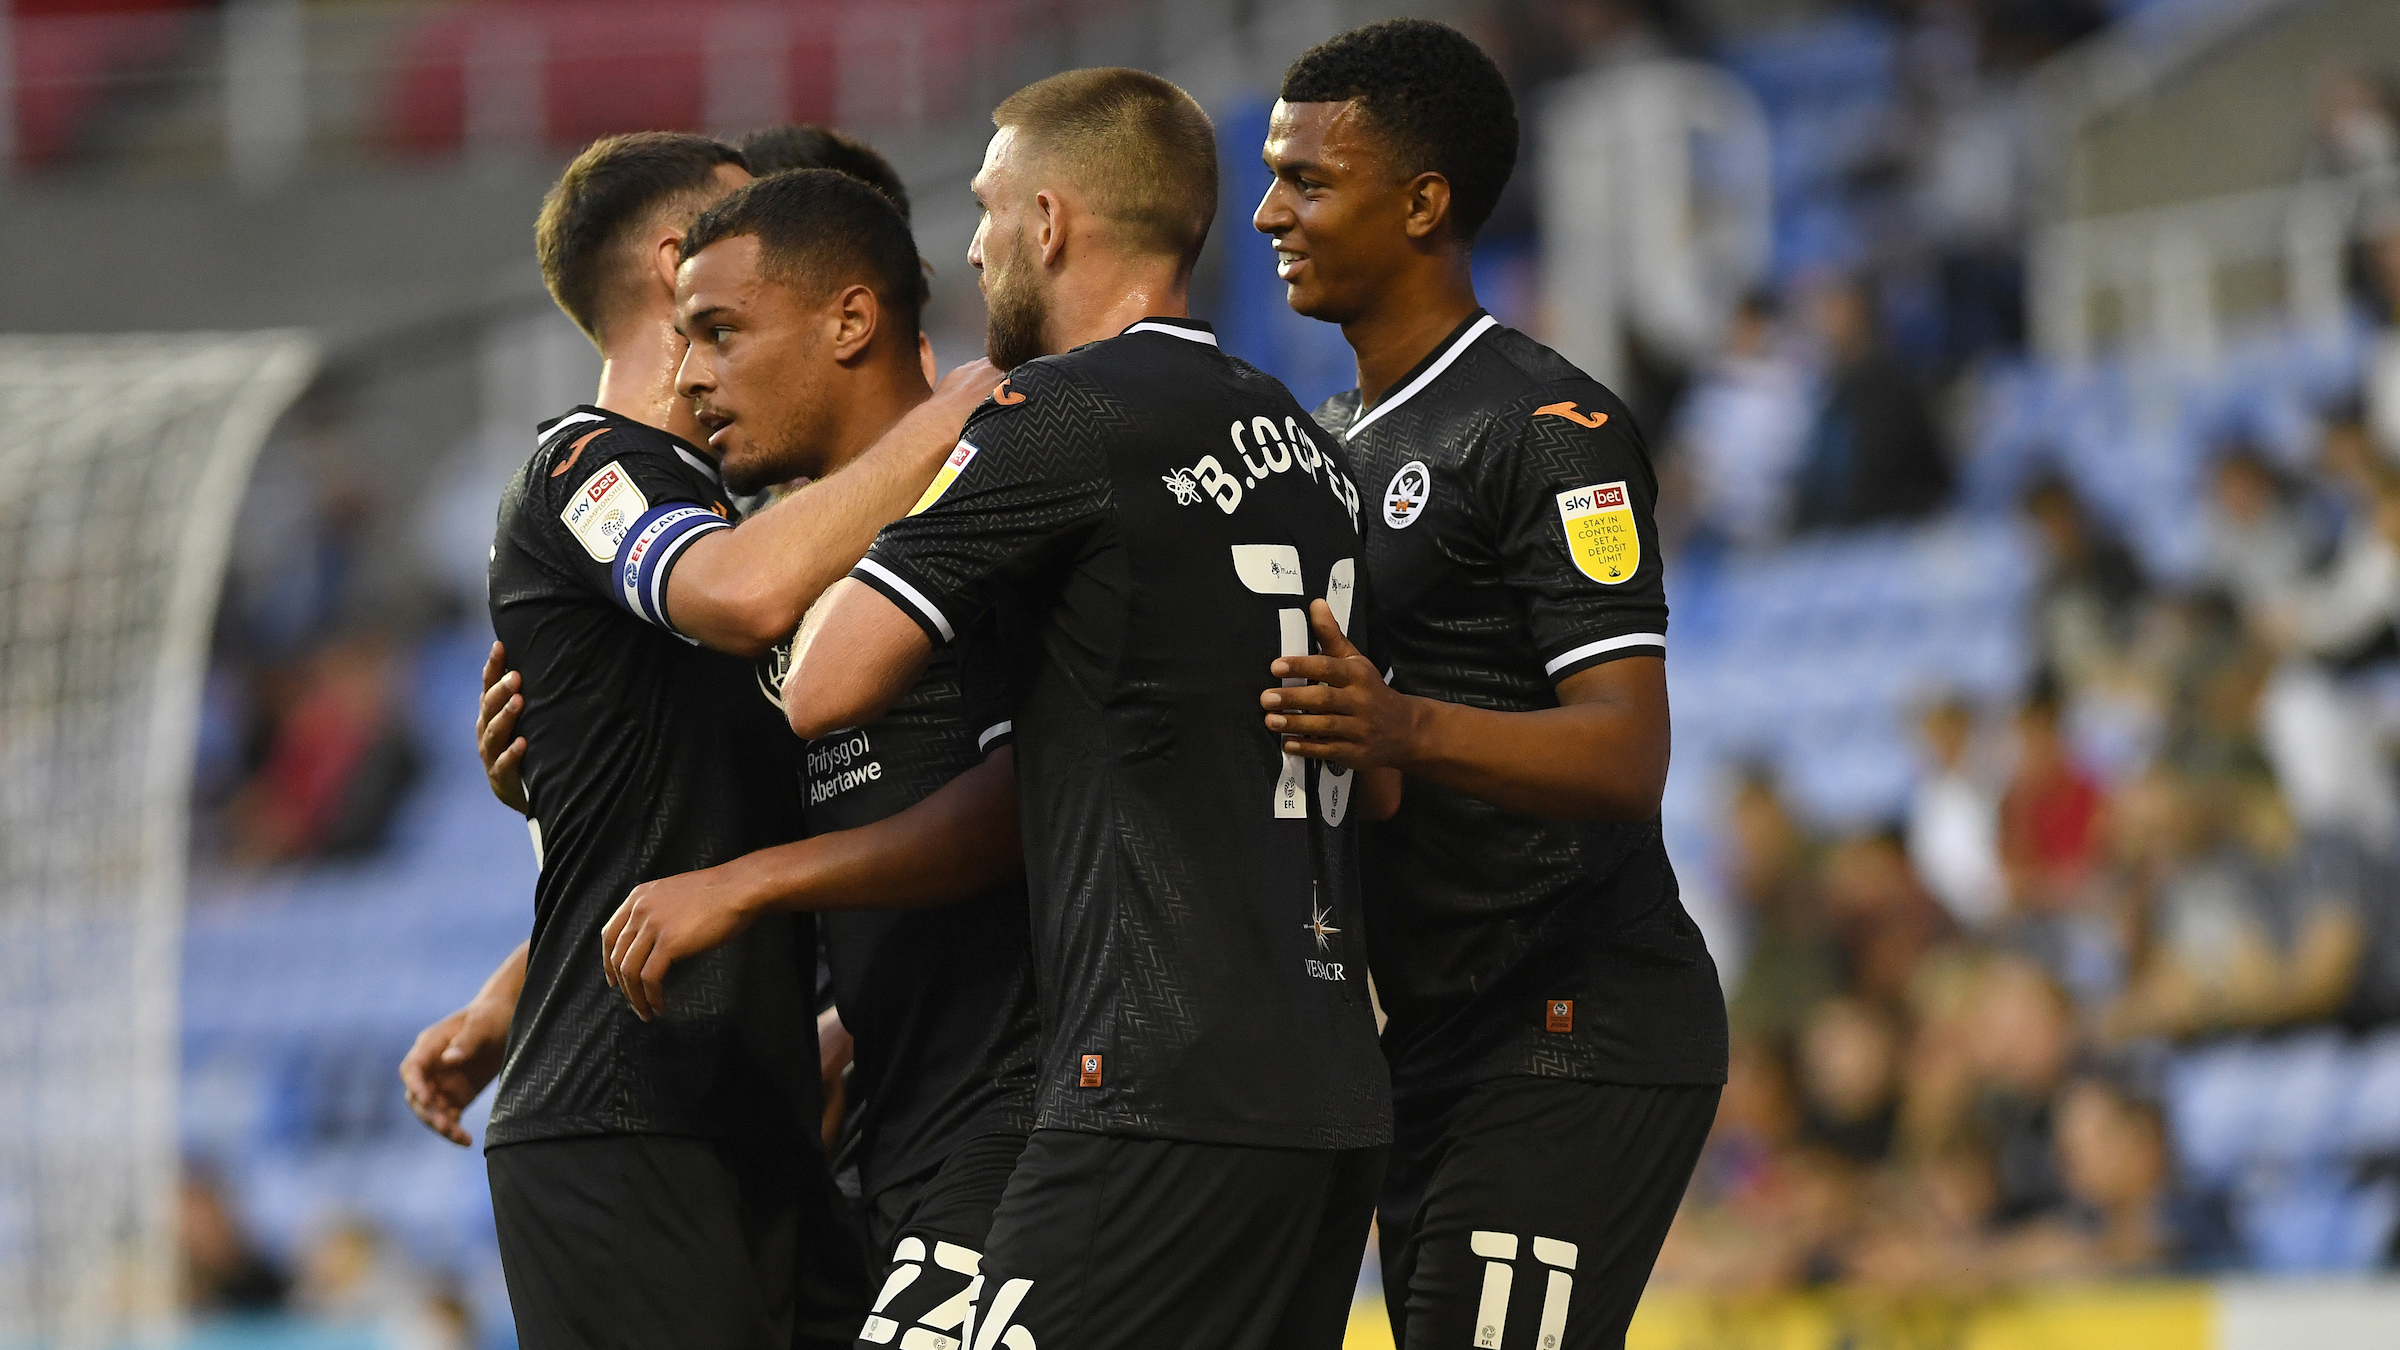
851,319
1428,205
1049,225
666,254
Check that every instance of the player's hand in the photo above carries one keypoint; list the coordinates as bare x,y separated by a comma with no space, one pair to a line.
450,1063
1346,713
967,385
663,922
497,743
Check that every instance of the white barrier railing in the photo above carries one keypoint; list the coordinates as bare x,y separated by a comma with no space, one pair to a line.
2161,272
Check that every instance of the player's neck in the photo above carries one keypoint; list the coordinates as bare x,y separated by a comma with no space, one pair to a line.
884,392
1410,318
1108,300
638,362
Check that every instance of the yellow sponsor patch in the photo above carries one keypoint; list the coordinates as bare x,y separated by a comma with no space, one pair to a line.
942,481
1600,533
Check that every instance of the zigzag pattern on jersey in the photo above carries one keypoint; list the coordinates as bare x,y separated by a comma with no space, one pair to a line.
1134,1004
1041,468
1454,883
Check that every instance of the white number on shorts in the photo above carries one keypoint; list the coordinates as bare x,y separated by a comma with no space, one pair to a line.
1499,1251
997,1333
952,1313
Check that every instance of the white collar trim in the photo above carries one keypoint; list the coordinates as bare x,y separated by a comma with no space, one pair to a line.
571,419
1187,334
1482,326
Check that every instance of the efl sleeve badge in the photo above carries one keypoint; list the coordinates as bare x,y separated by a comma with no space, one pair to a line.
1601,537
948,475
603,511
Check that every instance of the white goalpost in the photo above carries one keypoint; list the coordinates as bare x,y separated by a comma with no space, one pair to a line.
123,461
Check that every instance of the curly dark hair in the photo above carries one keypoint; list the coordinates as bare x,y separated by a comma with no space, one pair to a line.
823,228
1439,101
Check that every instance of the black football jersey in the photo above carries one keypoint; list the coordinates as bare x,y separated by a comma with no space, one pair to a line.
646,756
1510,544
939,1002
1156,517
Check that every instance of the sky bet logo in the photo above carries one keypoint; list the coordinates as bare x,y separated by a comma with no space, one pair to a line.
1608,498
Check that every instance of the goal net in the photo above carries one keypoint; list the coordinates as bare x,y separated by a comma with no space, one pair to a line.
122,464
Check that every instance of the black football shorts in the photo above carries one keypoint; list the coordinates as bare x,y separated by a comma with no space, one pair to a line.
1526,1213
1111,1243
640,1241
930,1233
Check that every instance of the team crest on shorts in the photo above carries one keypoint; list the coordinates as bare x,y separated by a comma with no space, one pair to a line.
1600,533
1405,499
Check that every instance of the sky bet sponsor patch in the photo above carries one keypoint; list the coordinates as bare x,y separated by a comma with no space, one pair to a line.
948,475
604,508
1600,534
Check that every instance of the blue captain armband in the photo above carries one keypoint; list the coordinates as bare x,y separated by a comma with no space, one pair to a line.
649,553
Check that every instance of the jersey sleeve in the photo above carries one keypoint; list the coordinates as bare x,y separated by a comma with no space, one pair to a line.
984,675
624,508
1572,499
1027,482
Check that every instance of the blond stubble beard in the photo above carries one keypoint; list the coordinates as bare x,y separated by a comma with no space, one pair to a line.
1018,310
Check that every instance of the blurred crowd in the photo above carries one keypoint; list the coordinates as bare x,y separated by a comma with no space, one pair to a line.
349,1278
306,749
1952,1030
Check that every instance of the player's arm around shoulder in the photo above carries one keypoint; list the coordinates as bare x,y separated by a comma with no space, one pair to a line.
745,590
1565,490
1026,473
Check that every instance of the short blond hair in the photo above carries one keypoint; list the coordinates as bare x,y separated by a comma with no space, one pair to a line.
1141,150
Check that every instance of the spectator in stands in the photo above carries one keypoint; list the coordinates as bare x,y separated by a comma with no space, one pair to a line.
352,1276
2346,614
2126,1215
1794,960
2260,544
2021,1041
2319,912
1938,1074
1849,1061
1881,914
2253,925
2206,962
223,1270
1932,1231
1737,436
2049,816
2375,988
2091,587
1873,453
2356,146
340,762
1954,821
2313,727
1738,1175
